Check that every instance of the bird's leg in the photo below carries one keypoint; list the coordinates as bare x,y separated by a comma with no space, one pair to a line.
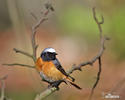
46,81
52,84
56,84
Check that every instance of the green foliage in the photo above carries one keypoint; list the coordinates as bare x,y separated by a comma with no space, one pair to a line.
77,19
118,33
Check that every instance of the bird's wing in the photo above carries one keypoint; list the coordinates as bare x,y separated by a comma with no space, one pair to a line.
59,67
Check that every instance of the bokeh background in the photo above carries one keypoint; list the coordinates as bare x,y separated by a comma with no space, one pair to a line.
74,34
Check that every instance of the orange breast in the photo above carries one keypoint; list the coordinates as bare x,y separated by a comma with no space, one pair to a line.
49,69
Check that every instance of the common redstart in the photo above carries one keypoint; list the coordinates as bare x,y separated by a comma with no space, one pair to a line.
51,70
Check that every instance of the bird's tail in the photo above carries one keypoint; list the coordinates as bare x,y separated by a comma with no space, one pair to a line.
72,83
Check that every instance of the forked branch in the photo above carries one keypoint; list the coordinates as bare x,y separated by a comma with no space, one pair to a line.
102,41
33,41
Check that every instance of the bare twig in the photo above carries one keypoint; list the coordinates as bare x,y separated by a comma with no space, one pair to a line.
22,52
74,67
34,45
98,78
99,23
17,64
34,29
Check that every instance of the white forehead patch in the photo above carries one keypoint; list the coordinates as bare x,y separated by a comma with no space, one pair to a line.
50,50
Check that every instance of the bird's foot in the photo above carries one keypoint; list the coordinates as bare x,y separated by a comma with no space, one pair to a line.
55,84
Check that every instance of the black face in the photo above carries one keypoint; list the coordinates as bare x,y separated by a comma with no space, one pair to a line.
47,56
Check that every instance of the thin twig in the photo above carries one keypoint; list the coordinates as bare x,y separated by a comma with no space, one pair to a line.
97,80
17,64
22,52
34,29
99,23
74,67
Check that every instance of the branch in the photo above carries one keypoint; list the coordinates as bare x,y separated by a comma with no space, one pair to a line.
99,23
49,8
45,93
79,67
17,64
34,29
22,52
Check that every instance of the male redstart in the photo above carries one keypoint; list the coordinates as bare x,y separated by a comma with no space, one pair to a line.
51,70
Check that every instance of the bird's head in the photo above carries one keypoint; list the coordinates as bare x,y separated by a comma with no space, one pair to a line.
48,54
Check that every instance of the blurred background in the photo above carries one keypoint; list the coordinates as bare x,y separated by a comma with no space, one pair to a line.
74,34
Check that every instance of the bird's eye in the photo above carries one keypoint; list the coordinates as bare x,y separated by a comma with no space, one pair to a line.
50,54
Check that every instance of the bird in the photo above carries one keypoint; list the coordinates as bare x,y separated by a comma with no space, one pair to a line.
51,70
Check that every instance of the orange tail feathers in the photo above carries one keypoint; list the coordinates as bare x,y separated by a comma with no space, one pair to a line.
72,83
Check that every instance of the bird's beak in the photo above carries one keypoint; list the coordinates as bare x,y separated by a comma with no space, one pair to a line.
56,54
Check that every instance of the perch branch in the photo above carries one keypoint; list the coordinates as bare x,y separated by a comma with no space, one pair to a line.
45,93
22,65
